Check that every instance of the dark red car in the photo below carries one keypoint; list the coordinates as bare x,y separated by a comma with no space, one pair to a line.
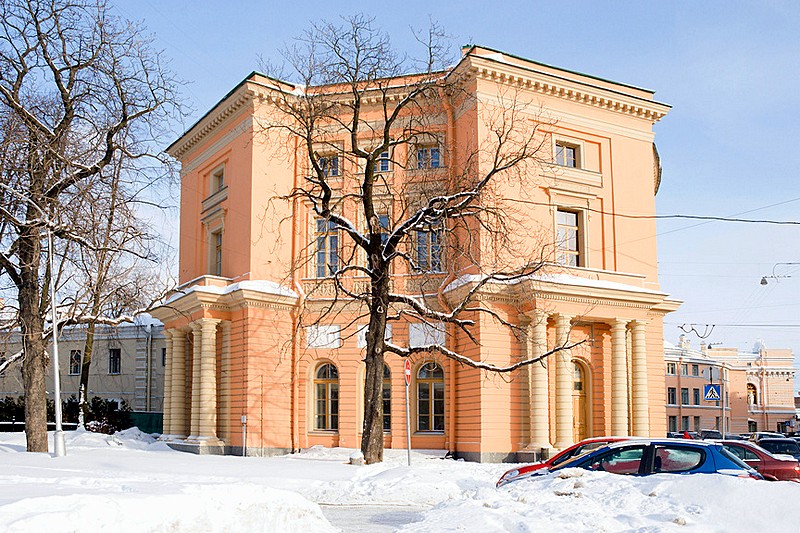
575,450
772,467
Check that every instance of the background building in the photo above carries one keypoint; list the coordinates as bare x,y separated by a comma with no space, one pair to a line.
757,386
127,365
237,351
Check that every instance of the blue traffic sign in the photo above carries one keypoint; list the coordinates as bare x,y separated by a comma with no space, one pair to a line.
711,393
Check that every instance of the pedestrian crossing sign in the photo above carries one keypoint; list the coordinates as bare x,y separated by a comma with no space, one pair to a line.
711,393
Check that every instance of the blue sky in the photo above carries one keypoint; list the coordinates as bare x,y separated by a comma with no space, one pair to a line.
729,69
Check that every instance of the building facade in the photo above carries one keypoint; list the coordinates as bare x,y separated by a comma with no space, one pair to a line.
240,359
756,386
127,365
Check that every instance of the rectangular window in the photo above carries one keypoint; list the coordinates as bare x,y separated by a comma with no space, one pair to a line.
163,357
671,396
218,180
568,232
685,396
684,370
74,362
695,370
673,423
384,162
329,165
428,157
697,423
671,369
696,396
2,360
327,248
567,155
685,423
114,360
428,253
216,253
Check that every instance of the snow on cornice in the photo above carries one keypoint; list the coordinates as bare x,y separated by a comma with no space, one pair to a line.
262,286
560,279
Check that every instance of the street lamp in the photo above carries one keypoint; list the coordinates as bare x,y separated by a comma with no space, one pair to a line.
59,448
774,276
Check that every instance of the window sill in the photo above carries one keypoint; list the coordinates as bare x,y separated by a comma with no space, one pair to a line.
579,176
215,198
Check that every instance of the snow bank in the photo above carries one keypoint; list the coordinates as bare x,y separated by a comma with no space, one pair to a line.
198,508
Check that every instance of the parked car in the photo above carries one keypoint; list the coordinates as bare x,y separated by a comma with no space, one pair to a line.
710,434
772,467
758,435
780,445
649,456
575,450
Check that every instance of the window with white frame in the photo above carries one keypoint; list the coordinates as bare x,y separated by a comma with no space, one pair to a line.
387,399
429,157
215,255
217,180
326,396
114,361
428,249
327,247
329,164
384,162
568,238
671,369
323,336
74,362
430,398
568,154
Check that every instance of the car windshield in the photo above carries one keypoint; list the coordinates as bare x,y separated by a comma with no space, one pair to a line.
781,446
577,452
735,460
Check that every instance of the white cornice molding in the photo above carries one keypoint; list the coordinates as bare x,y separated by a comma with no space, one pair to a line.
581,92
217,116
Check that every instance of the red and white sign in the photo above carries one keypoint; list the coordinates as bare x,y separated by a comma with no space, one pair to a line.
407,372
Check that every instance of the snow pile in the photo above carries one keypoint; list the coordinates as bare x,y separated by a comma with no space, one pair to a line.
130,482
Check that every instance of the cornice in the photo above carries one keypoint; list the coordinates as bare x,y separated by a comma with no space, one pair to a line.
213,119
581,92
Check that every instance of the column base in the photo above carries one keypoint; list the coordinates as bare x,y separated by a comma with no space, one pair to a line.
199,445
171,437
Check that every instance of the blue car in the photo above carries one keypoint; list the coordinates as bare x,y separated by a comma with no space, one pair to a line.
674,456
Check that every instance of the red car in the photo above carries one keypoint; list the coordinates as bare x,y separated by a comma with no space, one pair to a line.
772,467
575,450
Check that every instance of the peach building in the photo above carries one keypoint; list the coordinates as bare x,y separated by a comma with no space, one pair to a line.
245,372
757,387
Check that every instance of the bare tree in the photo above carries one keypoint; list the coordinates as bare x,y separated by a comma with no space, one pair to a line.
81,93
354,109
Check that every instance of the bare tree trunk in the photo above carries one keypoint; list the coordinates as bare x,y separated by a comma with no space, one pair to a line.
372,438
34,367
83,388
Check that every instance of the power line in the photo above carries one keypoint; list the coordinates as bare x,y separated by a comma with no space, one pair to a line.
789,326
709,218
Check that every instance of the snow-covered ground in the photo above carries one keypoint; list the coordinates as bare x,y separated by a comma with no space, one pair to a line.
131,483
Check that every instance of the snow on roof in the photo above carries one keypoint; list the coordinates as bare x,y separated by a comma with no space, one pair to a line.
259,285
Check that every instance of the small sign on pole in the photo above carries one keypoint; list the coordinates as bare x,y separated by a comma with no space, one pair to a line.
711,393
407,375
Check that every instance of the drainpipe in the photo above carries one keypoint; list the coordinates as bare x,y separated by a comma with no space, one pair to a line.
295,313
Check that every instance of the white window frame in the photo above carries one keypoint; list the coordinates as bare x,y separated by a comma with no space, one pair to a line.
216,179
327,336
580,238
424,334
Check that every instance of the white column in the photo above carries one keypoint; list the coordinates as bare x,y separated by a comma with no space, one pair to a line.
641,414
178,384
539,394
166,405
619,379
197,346
207,416
564,379
225,380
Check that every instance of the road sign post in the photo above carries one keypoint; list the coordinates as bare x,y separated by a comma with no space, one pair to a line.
407,375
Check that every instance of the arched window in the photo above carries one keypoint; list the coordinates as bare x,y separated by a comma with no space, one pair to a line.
430,398
326,386
577,379
387,399
752,394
